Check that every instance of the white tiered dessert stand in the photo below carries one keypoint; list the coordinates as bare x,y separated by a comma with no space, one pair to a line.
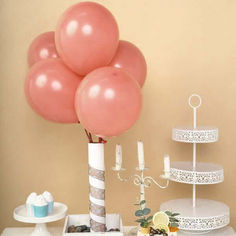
197,215
59,212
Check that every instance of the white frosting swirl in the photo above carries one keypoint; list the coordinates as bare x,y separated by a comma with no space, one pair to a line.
40,201
31,198
48,196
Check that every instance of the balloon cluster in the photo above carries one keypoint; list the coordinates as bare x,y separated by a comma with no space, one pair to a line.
83,73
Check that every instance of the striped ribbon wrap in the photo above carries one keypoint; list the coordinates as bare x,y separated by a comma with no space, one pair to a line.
97,187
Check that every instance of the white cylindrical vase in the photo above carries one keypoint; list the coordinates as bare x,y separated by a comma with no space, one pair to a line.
97,187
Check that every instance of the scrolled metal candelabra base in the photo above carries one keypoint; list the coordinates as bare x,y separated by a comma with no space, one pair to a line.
147,181
142,181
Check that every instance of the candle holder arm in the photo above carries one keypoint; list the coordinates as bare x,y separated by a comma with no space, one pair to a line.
123,179
148,180
137,179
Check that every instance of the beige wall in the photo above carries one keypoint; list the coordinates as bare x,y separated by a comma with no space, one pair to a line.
190,46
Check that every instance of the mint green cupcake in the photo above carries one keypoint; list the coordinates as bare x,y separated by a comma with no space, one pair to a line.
40,207
49,198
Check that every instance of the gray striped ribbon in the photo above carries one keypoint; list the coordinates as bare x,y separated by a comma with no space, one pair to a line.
97,200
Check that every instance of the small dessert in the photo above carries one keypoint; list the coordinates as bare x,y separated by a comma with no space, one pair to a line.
49,198
29,204
164,223
40,207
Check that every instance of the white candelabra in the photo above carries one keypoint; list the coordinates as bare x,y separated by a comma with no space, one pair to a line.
141,180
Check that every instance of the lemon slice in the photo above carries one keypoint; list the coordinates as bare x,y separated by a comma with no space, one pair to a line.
161,227
160,218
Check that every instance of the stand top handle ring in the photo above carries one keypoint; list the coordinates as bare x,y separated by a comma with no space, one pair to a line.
199,101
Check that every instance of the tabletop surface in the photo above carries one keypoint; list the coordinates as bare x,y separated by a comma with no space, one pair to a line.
57,231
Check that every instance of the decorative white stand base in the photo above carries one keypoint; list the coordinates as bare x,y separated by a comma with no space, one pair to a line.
41,229
20,214
206,216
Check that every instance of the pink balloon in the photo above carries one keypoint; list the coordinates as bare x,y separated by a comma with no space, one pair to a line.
87,37
50,90
131,59
108,101
42,47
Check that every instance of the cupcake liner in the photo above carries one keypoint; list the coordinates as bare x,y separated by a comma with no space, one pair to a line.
40,211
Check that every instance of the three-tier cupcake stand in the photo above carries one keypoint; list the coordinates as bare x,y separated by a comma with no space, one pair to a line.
197,215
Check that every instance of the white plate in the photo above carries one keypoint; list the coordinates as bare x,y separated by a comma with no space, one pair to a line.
207,215
59,212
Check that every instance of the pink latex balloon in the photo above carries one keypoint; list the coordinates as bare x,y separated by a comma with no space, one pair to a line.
108,101
131,59
42,47
87,37
50,90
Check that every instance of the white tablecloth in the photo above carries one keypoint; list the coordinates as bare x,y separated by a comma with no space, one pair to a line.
57,231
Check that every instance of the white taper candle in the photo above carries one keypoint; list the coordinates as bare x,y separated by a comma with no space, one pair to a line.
141,155
118,156
167,165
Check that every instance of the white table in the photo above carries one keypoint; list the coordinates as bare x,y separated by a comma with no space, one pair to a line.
57,231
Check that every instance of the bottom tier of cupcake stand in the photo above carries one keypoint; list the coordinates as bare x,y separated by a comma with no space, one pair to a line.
207,215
